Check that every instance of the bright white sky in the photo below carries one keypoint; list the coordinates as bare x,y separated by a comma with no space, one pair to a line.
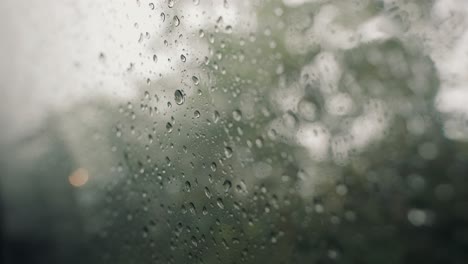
50,48
50,51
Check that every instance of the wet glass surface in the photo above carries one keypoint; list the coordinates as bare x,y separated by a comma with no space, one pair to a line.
222,131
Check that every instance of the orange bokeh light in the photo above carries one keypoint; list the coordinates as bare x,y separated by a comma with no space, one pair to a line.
79,177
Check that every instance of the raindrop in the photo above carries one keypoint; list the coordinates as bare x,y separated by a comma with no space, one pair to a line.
170,3
145,232
208,193
272,134
227,185
196,113
216,116
194,241
176,21
155,58
195,80
228,152
237,115
169,127
163,16
220,203
183,58
102,57
213,166
241,187
274,239
192,208
187,186
179,97
259,142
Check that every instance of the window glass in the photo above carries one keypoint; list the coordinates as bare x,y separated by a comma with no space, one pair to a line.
234,131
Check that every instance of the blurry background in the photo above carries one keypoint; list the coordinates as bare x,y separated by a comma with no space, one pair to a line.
222,131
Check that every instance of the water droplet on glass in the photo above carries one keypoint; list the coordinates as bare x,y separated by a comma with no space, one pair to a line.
220,203
187,186
195,80
227,185
194,241
192,208
176,21
228,152
259,142
169,127
237,115
183,58
208,193
274,239
196,113
216,116
118,132
155,58
102,57
213,166
272,134
163,16
179,97
170,3
241,187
